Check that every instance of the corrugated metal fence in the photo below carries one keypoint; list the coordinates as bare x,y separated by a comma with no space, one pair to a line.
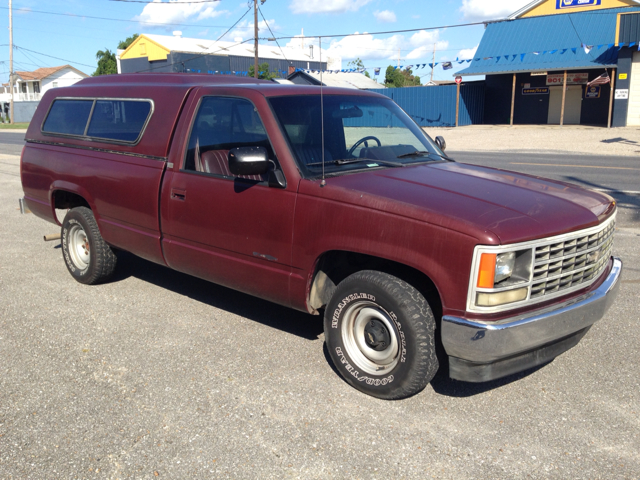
436,106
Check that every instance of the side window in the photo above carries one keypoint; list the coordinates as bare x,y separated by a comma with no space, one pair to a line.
68,117
223,123
121,120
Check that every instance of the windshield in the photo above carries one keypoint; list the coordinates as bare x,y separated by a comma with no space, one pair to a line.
359,133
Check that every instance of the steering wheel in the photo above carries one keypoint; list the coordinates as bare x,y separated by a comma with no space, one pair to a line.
364,140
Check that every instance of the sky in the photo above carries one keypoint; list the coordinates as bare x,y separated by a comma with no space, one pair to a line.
58,32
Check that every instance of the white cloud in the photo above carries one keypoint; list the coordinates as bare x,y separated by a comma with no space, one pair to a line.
244,30
23,10
467,53
385,16
379,52
176,11
326,6
478,10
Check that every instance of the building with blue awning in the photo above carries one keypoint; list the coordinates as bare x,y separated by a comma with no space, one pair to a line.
539,61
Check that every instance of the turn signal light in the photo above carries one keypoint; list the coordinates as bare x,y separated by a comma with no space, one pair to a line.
487,271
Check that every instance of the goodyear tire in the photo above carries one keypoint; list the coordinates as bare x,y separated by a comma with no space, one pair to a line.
88,257
379,332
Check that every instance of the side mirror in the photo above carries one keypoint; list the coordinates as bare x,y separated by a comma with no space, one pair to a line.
442,145
248,161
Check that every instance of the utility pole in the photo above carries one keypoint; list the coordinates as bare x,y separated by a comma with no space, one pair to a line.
11,61
433,63
255,41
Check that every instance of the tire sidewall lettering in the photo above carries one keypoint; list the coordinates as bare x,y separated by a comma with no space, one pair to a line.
335,320
374,382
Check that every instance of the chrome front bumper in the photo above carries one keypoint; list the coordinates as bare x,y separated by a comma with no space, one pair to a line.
481,351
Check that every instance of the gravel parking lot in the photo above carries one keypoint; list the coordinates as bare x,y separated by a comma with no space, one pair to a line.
542,139
161,375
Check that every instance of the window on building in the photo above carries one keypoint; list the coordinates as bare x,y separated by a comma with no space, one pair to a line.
68,117
121,120
23,87
36,87
54,85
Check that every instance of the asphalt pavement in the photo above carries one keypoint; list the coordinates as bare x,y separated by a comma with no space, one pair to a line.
160,375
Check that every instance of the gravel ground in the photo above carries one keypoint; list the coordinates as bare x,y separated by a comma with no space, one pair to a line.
542,138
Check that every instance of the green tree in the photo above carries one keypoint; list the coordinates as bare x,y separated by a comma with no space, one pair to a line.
107,59
106,63
123,45
396,78
359,64
263,72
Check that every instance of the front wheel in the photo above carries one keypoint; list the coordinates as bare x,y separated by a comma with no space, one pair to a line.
88,257
379,332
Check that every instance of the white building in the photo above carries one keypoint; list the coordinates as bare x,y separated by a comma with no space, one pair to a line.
29,86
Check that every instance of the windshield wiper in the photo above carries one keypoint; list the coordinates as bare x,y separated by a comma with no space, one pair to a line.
357,160
419,153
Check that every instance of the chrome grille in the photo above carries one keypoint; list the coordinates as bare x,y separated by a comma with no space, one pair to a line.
572,262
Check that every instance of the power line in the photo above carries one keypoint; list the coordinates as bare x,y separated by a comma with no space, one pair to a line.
208,53
277,43
51,56
166,3
127,21
388,31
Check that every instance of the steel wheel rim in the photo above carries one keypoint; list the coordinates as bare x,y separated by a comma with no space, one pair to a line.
354,337
79,249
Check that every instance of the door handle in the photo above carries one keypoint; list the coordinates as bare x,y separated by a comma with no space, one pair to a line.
178,194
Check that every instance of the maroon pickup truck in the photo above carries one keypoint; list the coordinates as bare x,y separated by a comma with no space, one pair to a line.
329,201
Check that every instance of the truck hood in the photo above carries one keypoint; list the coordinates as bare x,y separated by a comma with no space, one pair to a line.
480,201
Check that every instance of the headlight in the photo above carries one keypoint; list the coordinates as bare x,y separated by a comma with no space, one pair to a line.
504,266
500,277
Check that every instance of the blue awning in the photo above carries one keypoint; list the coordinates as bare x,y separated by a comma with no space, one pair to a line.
550,42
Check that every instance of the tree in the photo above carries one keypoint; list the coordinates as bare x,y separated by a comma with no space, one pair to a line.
107,64
263,72
123,45
396,78
358,64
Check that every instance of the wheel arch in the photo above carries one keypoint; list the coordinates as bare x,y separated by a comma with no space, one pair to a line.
64,195
335,265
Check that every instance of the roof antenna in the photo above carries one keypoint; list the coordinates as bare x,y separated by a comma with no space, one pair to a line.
323,182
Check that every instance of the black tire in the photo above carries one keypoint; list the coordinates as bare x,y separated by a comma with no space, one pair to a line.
368,314
88,257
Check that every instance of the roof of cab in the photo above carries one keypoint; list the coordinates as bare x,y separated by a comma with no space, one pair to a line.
189,80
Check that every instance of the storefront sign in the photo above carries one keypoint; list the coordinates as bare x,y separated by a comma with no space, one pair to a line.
572,78
622,93
592,92
622,76
536,91
562,4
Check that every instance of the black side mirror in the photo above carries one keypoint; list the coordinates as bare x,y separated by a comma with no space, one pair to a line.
442,145
248,160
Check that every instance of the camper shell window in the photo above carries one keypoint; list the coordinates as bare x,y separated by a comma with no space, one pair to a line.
101,119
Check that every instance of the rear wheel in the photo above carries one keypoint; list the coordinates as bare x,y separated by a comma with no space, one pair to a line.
380,335
88,257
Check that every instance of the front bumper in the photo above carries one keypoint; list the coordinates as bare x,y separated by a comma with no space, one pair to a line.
482,351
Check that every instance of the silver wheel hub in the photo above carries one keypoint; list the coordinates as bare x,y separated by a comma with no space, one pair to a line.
79,249
370,338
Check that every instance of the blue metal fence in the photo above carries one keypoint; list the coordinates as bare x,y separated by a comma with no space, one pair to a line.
436,106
